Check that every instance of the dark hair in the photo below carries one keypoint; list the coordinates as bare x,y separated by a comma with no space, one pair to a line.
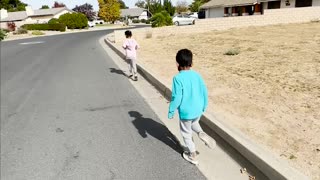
128,33
184,58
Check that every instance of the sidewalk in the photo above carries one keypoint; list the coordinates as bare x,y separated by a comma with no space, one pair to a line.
221,163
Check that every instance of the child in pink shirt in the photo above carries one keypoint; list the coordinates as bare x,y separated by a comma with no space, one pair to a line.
130,45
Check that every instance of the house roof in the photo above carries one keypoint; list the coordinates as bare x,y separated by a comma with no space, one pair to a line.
15,16
132,12
45,12
228,3
22,15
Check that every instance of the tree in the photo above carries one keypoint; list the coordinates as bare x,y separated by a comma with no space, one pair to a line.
45,7
154,6
182,6
160,19
196,4
86,9
12,5
58,5
167,5
122,5
109,10
140,4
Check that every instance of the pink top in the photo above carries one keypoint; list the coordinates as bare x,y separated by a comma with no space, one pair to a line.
131,46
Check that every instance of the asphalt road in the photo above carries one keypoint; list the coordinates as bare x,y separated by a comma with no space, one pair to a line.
67,113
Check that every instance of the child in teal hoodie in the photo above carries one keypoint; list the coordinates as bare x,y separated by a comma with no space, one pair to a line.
190,97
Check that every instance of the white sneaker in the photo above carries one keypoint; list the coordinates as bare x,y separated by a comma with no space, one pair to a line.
211,143
187,156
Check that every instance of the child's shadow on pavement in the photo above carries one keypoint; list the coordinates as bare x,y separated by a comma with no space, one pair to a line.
147,126
117,71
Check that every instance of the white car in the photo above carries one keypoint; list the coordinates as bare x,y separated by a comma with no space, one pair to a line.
183,20
194,15
98,21
91,24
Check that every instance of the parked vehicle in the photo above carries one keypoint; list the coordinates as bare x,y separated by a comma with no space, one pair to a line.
91,24
98,21
183,20
194,15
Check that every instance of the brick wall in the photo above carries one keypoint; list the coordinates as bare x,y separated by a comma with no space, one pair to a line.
270,17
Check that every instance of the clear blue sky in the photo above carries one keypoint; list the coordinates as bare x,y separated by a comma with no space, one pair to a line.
36,4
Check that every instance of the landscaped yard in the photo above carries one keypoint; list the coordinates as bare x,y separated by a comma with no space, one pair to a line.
270,90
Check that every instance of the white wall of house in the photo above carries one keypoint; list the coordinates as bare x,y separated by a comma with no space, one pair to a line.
17,23
315,2
265,5
61,13
46,19
28,20
41,19
292,4
144,15
3,25
215,12
31,20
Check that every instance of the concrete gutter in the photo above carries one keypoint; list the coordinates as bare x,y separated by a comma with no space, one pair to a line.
270,165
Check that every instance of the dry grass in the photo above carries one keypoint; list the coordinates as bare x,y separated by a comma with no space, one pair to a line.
271,90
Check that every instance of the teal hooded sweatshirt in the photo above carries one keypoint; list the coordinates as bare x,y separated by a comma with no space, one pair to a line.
189,95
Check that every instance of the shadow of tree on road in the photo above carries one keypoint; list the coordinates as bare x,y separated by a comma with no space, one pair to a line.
147,126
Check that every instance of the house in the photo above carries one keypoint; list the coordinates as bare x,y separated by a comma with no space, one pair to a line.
31,16
225,8
136,13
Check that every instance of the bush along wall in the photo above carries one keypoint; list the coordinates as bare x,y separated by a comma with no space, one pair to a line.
136,21
74,20
53,21
45,27
3,34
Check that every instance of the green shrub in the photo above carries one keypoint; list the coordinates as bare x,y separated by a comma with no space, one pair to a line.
45,27
6,30
148,21
136,21
161,19
21,31
38,33
3,34
74,20
143,21
54,21
232,52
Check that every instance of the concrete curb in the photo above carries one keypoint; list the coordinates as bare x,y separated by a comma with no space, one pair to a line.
273,167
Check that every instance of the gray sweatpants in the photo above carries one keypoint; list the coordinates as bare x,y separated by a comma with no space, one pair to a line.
133,66
186,128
